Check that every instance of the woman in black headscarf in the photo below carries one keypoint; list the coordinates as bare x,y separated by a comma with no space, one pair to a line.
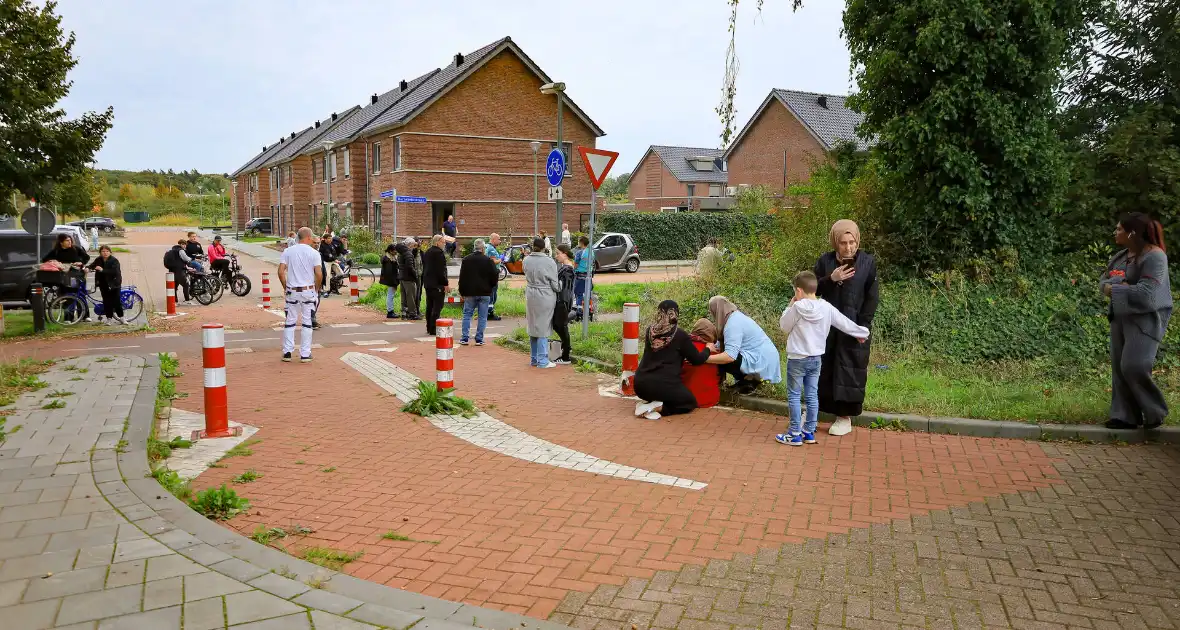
665,349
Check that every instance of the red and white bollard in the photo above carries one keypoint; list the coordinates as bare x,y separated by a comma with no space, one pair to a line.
354,295
444,347
265,290
630,347
170,293
216,401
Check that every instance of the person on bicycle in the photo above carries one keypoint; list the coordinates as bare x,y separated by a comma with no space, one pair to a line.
69,254
217,258
176,261
193,249
108,275
490,251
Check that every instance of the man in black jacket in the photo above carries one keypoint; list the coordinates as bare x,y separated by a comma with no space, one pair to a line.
193,249
389,279
174,261
329,254
408,278
478,277
434,279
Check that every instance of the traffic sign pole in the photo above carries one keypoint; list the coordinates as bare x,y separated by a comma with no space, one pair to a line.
597,163
560,147
589,288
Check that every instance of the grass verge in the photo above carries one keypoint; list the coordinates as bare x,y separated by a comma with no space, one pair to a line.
20,377
20,324
510,302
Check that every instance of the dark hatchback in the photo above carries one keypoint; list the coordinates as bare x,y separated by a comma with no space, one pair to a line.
18,263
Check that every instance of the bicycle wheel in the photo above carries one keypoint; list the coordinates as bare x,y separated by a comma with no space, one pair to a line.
66,310
132,304
503,273
201,289
240,285
365,276
218,287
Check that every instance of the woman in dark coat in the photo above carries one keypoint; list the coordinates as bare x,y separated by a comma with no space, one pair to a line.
657,381
389,278
847,280
108,275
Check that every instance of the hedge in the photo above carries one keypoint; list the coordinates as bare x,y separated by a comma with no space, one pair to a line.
680,235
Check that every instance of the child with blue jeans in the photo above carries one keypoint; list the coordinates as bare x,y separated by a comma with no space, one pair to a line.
806,323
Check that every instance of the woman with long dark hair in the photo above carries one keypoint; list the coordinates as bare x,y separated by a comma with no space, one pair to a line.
108,275
1136,280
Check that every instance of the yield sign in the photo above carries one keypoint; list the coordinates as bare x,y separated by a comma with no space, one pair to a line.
598,163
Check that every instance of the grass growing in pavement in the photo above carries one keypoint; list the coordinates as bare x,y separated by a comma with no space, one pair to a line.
173,483
328,558
248,476
263,534
392,535
219,504
432,401
54,404
241,450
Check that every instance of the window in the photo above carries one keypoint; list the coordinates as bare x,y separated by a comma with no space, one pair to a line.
692,190
714,190
315,167
347,167
288,174
375,221
332,157
377,157
324,162
566,148
397,153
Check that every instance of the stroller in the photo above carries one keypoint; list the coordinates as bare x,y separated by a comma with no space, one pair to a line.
576,313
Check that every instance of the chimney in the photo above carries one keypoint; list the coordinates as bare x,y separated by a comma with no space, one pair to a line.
458,59
317,124
374,100
264,148
403,86
333,115
292,135
282,140
823,101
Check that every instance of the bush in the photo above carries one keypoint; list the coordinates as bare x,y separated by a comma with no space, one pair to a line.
680,235
363,241
432,401
371,259
219,504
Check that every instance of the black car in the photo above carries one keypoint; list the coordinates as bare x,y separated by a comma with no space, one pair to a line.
18,263
258,226
104,224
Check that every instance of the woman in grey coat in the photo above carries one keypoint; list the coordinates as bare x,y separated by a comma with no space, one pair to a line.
1136,280
540,296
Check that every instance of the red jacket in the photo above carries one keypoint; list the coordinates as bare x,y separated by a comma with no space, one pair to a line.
216,252
704,381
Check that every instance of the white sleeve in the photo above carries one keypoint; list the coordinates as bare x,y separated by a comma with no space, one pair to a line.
789,318
847,326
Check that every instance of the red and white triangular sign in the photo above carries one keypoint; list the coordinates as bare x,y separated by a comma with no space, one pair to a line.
598,163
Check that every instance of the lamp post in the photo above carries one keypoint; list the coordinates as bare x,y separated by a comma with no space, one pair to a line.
558,89
234,218
536,147
327,187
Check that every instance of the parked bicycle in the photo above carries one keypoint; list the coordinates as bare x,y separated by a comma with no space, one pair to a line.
365,276
70,308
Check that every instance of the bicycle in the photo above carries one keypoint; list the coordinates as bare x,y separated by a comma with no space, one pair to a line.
364,275
70,308
239,283
216,288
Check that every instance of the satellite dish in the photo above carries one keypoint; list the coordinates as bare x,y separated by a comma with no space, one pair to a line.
38,220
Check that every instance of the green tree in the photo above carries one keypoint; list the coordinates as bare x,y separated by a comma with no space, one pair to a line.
38,145
79,194
614,188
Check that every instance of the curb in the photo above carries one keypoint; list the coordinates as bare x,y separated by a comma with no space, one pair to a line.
171,522
969,427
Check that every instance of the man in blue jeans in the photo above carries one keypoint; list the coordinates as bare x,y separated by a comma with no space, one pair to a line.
581,269
478,278
489,250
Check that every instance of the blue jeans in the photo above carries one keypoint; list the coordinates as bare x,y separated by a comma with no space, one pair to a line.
538,351
390,292
803,378
196,266
579,288
475,304
492,300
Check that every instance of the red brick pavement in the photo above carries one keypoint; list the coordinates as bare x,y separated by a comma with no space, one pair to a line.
501,532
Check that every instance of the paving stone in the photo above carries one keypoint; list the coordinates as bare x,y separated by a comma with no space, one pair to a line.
31,512
256,605
27,546
34,616
66,583
327,621
211,584
100,604
99,556
37,566
172,565
238,569
205,554
136,549
126,573
206,614
54,525
290,622
382,616
278,585
11,592
163,593
330,602
162,619
79,539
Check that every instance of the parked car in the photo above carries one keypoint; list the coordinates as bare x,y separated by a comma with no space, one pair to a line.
616,251
258,226
104,224
80,237
18,263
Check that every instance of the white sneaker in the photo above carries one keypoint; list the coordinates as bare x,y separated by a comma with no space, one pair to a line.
652,415
643,408
548,366
563,362
842,426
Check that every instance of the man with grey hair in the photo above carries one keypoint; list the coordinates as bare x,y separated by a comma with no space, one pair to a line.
478,277
302,278
434,280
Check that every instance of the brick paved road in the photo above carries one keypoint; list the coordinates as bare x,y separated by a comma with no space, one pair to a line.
584,548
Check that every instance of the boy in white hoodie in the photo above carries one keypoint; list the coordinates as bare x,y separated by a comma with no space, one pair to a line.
807,322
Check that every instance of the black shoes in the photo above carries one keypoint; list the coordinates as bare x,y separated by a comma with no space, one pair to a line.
286,357
492,317
390,315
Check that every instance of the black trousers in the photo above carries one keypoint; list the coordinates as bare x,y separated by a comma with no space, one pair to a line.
734,368
434,307
561,324
675,395
181,280
111,305
221,266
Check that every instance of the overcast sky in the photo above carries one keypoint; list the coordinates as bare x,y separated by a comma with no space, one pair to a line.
205,83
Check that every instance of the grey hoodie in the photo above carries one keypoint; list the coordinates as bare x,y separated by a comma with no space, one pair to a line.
807,322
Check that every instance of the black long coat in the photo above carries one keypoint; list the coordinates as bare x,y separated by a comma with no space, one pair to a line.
845,369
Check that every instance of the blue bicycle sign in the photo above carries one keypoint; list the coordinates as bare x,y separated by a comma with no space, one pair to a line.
555,167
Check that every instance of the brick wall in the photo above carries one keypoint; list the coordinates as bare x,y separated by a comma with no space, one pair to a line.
758,158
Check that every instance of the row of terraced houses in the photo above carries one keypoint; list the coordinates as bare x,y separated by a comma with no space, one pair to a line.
462,137
459,136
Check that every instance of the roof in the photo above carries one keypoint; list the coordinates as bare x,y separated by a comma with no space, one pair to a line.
677,161
310,136
348,129
441,81
258,159
830,123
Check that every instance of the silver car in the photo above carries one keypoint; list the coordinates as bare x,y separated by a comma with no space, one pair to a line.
616,251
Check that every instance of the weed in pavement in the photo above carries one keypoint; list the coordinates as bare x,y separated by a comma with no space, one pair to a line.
431,401
392,535
263,534
20,377
219,504
328,558
241,450
54,404
173,483
329,469
889,424
247,477
60,393
103,360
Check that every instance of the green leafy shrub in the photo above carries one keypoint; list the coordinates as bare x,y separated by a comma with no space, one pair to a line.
248,476
363,241
371,258
431,401
680,235
219,504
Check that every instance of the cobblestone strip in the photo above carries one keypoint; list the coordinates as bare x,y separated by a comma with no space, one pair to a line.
1099,551
89,540
487,432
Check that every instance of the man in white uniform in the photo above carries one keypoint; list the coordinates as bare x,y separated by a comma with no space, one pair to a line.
302,277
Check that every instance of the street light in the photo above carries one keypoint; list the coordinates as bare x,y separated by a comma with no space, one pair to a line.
536,145
327,186
558,89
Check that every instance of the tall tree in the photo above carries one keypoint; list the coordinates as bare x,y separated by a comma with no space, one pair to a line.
38,145
77,195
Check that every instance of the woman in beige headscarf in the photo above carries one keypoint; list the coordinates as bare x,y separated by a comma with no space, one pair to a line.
847,280
744,349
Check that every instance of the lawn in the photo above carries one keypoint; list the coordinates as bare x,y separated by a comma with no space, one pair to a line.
174,219
20,324
510,302
259,239
1025,391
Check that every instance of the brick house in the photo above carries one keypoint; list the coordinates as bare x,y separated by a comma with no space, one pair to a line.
788,133
249,192
677,178
459,136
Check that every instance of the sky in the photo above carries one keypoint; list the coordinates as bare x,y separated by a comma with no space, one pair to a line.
205,83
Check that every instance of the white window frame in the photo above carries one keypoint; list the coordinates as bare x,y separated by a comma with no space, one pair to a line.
332,158
714,187
376,157
397,153
347,165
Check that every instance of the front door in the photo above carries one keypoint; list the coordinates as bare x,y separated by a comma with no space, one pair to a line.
439,210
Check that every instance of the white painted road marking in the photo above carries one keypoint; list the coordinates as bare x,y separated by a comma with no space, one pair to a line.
373,332
159,335
103,348
238,350
343,325
489,433
253,339
370,342
389,349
